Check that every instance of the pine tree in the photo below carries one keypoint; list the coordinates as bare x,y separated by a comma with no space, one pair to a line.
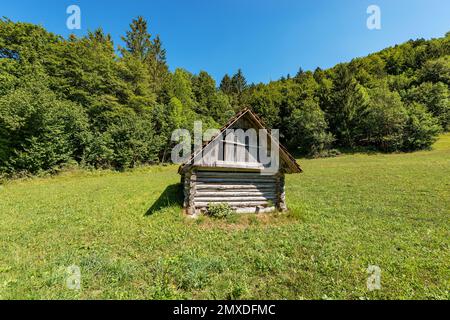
238,83
299,73
204,88
157,64
225,84
347,100
137,39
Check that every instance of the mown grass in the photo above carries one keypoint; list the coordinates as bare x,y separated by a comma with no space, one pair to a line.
127,234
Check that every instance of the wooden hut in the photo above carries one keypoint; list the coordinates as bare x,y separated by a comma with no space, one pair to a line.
228,169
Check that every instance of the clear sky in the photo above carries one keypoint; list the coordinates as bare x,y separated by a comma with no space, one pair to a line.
266,38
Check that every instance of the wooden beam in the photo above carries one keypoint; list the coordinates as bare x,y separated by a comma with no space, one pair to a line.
233,204
249,193
218,198
252,186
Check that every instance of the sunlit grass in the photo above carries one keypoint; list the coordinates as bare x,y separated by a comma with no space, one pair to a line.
345,213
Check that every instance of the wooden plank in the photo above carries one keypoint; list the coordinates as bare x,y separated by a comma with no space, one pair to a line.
240,153
225,173
206,156
233,174
236,143
214,156
236,185
252,154
240,165
236,176
221,152
281,193
240,146
232,199
200,186
256,210
266,191
230,148
224,180
233,204
191,191
250,193
215,168
245,180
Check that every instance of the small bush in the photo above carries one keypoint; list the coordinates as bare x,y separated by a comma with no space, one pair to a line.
329,153
421,129
220,210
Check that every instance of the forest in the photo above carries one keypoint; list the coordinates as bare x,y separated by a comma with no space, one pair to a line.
86,102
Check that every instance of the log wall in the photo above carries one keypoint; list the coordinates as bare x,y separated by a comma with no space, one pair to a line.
243,191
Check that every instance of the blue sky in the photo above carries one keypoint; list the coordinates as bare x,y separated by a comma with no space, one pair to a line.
266,38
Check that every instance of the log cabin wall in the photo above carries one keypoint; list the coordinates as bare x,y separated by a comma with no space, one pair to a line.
243,191
229,169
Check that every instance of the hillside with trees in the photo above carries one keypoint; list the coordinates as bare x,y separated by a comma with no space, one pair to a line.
88,102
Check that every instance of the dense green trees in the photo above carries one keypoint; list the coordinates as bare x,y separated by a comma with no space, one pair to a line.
435,96
393,100
38,130
421,128
382,122
347,100
83,100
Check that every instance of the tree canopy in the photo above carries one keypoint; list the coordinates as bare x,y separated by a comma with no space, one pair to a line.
83,100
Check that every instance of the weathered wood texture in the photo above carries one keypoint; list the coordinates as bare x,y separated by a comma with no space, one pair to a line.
189,192
236,147
235,168
243,191
281,193
245,143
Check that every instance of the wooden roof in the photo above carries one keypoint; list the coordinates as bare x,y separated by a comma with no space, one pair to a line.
285,156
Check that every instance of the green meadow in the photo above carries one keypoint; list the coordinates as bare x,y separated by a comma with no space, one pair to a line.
128,236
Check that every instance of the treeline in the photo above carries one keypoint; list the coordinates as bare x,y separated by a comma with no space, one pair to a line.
85,101
393,100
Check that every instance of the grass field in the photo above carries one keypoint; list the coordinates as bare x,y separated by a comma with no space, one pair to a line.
129,238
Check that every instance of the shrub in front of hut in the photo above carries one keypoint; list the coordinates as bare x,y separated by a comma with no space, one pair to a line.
220,210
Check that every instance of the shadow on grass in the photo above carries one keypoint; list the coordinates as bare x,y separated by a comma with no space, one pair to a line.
172,195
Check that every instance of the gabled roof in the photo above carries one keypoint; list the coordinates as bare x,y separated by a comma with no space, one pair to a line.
285,156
